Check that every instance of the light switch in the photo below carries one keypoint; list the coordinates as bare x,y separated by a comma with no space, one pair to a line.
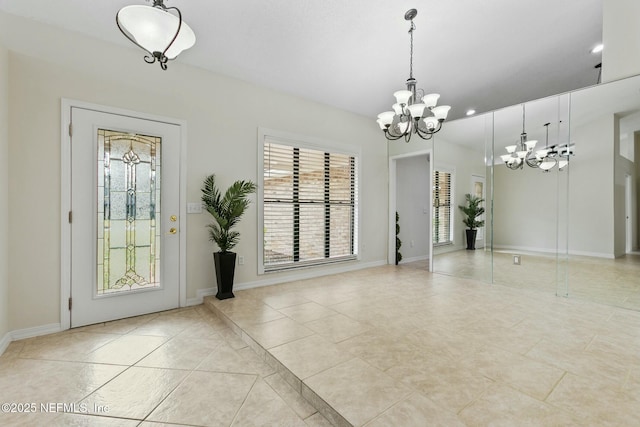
194,207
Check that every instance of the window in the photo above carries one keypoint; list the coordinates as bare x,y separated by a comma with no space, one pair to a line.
309,205
442,230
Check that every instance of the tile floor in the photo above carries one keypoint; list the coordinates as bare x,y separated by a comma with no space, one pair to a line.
608,281
181,367
388,346
401,346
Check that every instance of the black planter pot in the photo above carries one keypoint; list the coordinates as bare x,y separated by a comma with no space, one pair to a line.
471,239
225,263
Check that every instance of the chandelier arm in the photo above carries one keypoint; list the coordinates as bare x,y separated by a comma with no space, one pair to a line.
175,36
532,160
427,133
390,136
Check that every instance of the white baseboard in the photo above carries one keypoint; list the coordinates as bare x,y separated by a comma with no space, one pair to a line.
524,249
414,259
275,279
36,331
4,342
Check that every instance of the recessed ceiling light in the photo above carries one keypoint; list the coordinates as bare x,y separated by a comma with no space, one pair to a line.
471,112
598,48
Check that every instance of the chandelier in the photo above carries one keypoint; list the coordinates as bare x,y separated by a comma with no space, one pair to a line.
544,159
155,30
412,111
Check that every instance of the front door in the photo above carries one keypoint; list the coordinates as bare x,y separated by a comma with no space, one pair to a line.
125,246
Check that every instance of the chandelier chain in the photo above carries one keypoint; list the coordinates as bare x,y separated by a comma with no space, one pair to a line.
413,27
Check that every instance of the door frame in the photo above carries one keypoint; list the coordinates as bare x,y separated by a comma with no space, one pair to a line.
391,250
479,178
65,199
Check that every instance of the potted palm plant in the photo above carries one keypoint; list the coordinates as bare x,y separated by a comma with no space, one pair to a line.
227,210
472,210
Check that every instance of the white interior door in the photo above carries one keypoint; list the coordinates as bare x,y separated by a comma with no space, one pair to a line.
125,245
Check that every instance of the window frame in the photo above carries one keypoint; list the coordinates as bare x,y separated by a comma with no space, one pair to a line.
452,203
311,143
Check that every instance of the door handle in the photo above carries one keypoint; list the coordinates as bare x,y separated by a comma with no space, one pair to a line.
173,230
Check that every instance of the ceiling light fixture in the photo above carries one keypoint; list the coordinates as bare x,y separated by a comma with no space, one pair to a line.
522,151
544,159
471,112
155,30
408,115
597,48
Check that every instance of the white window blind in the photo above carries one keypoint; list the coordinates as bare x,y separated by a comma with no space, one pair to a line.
309,206
441,207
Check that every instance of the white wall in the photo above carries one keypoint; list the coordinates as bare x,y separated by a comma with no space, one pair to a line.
622,168
621,38
412,204
222,114
591,196
525,209
4,192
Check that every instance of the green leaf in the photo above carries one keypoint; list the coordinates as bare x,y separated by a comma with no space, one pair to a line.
226,210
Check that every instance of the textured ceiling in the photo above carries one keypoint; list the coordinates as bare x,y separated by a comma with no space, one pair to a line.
354,54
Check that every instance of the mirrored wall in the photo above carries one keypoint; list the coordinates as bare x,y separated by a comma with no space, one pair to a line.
571,230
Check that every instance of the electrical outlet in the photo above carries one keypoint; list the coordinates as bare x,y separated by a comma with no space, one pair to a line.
241,260
194,207
516,260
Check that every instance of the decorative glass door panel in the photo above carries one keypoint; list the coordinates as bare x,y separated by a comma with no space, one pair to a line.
125,235
128,205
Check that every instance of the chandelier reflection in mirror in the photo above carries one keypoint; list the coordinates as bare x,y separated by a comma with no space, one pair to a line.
156,30
412,111
544,159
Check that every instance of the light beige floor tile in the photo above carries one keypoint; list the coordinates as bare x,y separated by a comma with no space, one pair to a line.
307,312
254,316
202,329
292,397
580,362
381,351
501,405
163,326
226,359
135,392
264,407
250,358
126,350
416,411
43,381
534,378
283,300
205,398
337,328
81,420
357,391
596,402
317,420
69,345
180,353
277,332
122,326
310,355
13,350
27,419
447,382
